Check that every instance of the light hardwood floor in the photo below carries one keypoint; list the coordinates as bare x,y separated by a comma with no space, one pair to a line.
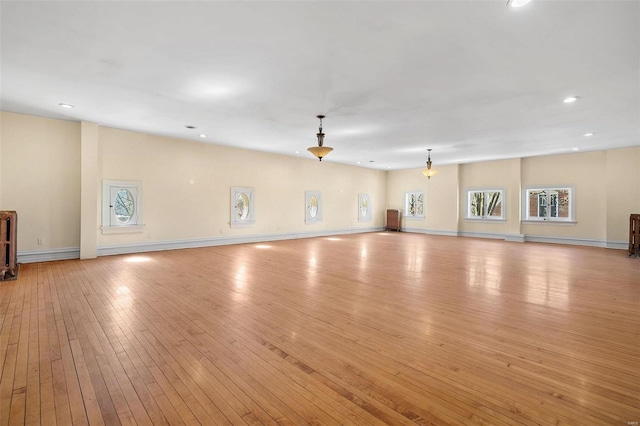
379,328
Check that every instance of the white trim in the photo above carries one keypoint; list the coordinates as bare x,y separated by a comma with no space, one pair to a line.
549,222
563,240
431,232
525,204
107,184
485,220
367,200
515,238
47,255
489,235
308,218
406,205
485,190
223,241
618,245
250,220
33,256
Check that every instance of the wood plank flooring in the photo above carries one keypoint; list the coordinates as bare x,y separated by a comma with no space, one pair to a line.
378,328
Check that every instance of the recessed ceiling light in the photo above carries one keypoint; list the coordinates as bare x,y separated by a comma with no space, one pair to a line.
357,162
575,149
589,134
65,105
189,126
570,99
202,135
297,152
518,3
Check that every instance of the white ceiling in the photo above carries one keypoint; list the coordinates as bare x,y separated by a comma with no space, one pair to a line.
474,80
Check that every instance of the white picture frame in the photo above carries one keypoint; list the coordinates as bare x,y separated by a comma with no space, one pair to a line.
364,208
313,207
242,206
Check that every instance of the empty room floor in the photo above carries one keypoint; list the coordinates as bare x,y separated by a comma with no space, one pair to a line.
375,328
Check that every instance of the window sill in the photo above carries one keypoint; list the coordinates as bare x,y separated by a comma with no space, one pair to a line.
549,222
135,229
485,219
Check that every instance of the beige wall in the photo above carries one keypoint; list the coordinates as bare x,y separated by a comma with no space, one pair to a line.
623,191
441,197
503,174
578,170
41,179
40,175
607,190
175,209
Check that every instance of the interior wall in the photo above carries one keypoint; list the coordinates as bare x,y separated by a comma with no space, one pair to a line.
501,174
623,191
441,198
586,173
41,180
40,175
175,209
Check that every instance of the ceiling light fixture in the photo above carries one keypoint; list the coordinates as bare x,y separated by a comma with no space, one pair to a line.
518,3
202,135
589,134
65,105
570,99
428,172
320,150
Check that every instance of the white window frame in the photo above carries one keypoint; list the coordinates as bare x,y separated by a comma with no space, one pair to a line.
109,226
548,218
249,219
309,217
407,211
364,208
485,216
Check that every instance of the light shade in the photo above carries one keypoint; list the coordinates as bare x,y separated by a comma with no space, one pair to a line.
320,151
428,172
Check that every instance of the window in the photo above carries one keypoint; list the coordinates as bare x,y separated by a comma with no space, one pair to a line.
121,206
414,204
242,207
313,207
485,204
552,204
364,208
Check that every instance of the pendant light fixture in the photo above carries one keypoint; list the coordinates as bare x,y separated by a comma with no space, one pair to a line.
320,150
428,172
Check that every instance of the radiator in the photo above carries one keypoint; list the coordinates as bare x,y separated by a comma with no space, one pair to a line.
8,240
634,235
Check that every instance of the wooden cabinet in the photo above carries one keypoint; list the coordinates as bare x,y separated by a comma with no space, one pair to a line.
394,220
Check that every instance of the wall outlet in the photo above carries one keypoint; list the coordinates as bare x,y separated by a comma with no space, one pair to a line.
40,241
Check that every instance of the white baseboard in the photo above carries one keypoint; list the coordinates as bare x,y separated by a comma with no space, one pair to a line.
32,256
564,240
492,236
47,255
620,245
219,241
431,232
